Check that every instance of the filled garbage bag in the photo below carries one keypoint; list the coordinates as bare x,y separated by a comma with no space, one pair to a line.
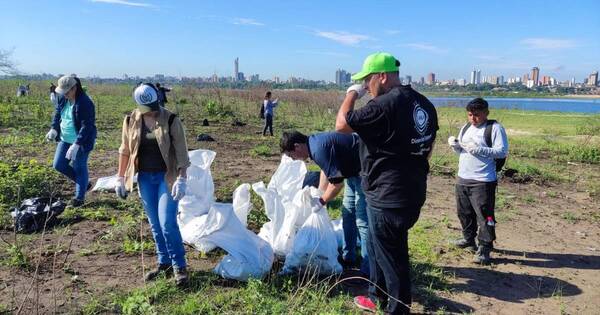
199,194
35,214
248,256
279,199
315,246
338,229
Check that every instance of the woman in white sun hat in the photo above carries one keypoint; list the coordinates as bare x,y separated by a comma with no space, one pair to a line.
154,146
74,128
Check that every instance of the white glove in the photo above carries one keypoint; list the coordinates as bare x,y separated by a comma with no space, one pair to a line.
179,187
453,142
72,152
120,188
316,205
471,147
358,88
51,135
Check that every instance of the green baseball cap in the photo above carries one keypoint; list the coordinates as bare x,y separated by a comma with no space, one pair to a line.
377,63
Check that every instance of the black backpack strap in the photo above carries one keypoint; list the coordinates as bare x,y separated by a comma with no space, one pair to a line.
462,131
487,134
171,118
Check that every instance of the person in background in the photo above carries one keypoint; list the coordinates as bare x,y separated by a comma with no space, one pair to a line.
162,94
74,128
480,144
268,106
397,129
153,145
337,156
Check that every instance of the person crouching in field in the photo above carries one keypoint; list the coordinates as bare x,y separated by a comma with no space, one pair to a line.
74,128
481,144
337,156
154,146
268,107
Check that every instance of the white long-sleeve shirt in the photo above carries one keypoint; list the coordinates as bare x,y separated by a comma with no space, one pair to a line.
480,166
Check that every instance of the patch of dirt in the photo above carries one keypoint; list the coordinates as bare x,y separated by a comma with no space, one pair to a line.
547,257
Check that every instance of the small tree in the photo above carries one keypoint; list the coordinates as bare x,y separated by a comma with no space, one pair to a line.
7,66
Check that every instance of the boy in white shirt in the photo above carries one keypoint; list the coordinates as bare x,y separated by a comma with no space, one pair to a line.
483,146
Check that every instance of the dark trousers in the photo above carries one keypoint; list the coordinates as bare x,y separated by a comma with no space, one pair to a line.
388,256
474,205
268,124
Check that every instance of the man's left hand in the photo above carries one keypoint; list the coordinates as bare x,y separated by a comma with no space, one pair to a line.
72,152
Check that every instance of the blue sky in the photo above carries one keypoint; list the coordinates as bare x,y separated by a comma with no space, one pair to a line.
309,39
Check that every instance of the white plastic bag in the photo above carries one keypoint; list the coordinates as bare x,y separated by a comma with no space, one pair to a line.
241,203
338,229
109,183
315,246
295,215
199,195
278,198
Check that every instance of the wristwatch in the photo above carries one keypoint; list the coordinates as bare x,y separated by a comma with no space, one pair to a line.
322,201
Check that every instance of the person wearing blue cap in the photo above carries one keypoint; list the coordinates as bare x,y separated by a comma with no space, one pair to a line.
153,145
397,129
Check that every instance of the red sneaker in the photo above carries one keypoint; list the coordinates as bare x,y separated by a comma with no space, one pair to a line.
364,303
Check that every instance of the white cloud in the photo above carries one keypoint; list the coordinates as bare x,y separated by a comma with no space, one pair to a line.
126,2
343,37
548,43
426,47
246,21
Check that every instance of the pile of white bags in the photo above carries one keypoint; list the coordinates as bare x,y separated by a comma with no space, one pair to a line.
206,224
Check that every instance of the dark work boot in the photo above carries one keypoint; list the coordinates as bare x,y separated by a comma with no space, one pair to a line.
75,203
463,243
167,270
181,277
482,256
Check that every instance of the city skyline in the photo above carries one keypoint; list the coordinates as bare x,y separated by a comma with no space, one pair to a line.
110,38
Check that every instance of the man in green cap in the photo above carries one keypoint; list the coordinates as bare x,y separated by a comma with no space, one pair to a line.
397,128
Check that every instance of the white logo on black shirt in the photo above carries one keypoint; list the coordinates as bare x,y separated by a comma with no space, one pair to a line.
421,119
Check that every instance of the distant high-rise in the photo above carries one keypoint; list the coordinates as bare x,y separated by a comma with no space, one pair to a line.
535,75
478,77
473,77
342,77
501,80
408,79
422,81
593,79
236,69
431,78
525,78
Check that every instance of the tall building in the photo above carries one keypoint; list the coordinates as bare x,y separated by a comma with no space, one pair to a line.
431,78
408,79
593,79
236,68
422,81
473,77
342,77
525,78
535,75
277,80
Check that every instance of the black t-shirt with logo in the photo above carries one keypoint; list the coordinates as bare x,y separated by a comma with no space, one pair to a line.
397,130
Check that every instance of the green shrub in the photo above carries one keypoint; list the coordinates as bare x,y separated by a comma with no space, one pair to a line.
25,180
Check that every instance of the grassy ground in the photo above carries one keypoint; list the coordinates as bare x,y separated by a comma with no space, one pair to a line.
546,149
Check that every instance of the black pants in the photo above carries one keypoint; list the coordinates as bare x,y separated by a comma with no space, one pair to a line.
268,124
474,205
388,256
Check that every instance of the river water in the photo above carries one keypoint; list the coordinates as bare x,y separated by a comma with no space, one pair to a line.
590,106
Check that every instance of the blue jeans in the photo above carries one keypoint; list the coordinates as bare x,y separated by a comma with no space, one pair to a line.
76,170
355,222
161,210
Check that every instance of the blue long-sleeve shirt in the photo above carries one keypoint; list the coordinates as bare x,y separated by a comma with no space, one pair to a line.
480,166
269,105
